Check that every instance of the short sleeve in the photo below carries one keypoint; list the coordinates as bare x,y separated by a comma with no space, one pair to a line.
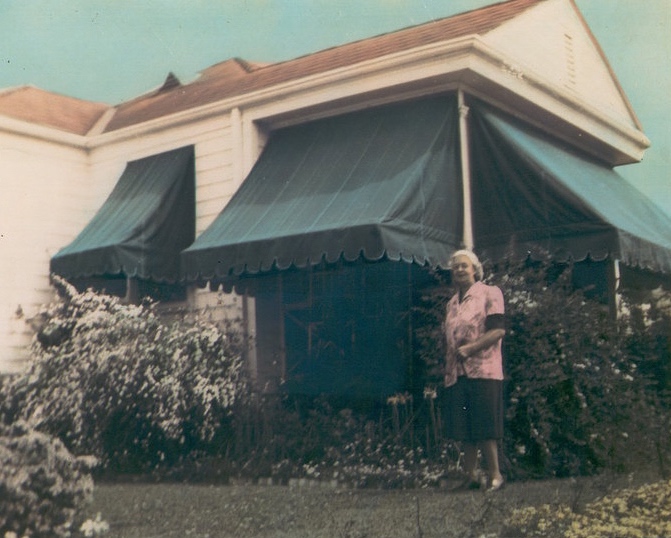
494,304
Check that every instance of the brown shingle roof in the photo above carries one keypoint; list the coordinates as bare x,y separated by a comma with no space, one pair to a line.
40,107
237,77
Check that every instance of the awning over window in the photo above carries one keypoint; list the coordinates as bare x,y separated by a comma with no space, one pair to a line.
372,183
141,228
532,196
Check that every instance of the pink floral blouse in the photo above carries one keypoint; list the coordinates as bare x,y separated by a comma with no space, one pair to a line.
465,321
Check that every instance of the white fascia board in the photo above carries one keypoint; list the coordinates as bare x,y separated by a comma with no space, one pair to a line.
322,88
41,132
559,102
420,71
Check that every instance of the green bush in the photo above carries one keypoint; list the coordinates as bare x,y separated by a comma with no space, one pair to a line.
578,399
42,486
113,381
584,391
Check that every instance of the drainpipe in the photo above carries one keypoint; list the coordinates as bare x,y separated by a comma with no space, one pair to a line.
465,170
614,296
237,143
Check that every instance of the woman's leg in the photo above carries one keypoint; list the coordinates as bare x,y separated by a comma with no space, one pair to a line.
470,459
490,451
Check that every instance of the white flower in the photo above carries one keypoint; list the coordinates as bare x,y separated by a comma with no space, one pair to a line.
430,393
94,527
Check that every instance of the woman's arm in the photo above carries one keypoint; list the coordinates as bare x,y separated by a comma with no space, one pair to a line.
488,339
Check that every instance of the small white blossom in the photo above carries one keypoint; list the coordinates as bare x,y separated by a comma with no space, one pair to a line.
92,527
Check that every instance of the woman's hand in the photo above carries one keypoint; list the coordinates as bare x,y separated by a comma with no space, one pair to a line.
488,339
463,352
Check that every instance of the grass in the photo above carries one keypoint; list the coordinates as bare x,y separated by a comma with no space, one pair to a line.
321,511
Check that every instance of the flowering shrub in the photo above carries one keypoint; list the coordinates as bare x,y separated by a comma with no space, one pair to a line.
644,512
42,486
112,380
94,527
584,391
578,400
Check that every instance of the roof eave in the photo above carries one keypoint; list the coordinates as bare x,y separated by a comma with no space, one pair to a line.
464,62
42,132
556,109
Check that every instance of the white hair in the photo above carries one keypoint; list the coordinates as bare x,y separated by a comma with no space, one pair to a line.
474,260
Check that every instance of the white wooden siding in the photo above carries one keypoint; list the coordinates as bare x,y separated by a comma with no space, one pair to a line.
214,173
51,191
43,185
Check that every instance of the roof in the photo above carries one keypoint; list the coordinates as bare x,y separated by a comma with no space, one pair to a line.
30,104
237,77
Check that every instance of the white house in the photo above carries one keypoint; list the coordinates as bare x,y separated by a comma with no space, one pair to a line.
497,129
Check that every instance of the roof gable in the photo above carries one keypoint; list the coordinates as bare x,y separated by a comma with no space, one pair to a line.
553,41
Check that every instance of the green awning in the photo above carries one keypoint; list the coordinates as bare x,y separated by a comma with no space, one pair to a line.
374,183
147,220
533,196
386,182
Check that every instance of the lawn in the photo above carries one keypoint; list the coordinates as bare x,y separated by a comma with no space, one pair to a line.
322,511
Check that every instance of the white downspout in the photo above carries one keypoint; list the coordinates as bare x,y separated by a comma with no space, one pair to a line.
465,170
617,297
237,145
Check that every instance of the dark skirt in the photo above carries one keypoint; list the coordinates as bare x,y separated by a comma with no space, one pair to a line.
472,410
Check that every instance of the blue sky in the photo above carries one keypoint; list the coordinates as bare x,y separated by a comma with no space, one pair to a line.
114,50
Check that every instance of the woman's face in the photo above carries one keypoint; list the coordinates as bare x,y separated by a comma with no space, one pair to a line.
463,271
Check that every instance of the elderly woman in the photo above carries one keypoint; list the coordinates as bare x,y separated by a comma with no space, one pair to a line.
473,397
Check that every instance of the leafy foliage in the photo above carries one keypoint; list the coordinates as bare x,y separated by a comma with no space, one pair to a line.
579,399
630,513
113,381
42,486
584,392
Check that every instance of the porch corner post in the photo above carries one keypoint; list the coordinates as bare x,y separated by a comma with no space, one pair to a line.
465,154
